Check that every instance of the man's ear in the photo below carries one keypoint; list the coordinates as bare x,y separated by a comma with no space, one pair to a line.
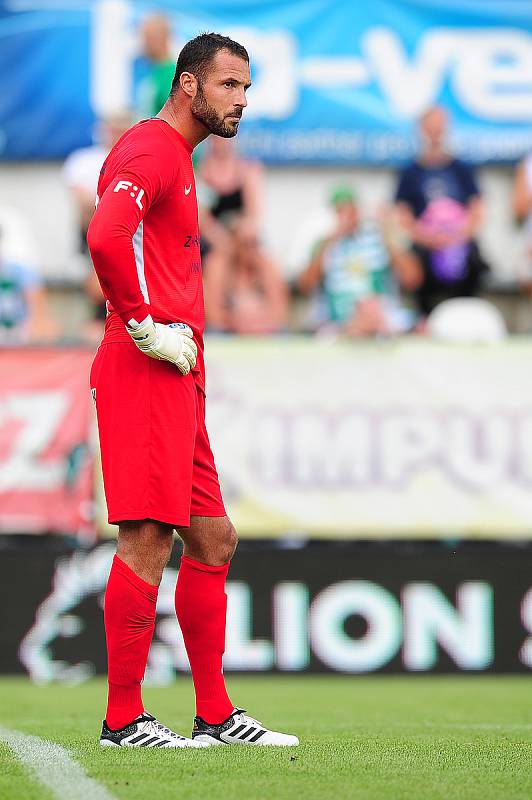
189,83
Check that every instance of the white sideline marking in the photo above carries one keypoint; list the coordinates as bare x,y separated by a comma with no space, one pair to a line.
54,766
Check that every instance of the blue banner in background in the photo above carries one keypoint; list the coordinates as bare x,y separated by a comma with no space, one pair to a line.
333,82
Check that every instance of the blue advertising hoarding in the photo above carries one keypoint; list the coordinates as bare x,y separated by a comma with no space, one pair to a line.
334,81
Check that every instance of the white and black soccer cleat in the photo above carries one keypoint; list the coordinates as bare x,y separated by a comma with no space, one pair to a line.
240,729
144,731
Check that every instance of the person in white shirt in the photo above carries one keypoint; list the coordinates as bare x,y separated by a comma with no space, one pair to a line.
81,171
82,167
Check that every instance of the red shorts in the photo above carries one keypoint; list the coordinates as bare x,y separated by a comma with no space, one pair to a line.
156,457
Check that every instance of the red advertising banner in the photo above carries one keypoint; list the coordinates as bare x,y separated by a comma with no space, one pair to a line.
45,463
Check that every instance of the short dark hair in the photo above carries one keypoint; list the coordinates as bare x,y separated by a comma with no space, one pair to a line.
198,54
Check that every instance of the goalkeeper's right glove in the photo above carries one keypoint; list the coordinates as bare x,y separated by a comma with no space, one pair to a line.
172,342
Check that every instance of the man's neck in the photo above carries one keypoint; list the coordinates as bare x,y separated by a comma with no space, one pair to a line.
184,123
435,157
162,58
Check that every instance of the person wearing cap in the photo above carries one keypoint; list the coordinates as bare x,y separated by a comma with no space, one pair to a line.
358,270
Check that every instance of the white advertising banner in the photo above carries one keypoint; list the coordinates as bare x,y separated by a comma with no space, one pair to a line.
402,439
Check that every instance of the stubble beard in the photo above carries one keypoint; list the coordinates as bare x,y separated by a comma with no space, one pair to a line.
209,117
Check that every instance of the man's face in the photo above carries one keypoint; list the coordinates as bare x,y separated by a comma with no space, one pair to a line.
347,216
155,34
434,127
221,96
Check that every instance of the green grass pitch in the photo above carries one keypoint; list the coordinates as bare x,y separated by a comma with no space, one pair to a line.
362,738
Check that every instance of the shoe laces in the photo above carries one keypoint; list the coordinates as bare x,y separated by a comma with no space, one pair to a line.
241,716
157,728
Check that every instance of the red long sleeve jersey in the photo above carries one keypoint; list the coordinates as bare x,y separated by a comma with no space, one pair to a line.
144,235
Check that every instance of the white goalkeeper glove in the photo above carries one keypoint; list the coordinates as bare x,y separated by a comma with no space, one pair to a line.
172,342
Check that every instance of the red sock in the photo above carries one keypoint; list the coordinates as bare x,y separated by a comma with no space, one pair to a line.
129,616
201,605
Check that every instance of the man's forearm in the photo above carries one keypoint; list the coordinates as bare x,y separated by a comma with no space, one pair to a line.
113,256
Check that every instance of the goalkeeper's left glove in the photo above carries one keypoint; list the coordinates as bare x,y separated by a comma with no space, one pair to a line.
172,342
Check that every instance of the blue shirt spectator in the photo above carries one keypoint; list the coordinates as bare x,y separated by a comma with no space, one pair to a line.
420,185
439,207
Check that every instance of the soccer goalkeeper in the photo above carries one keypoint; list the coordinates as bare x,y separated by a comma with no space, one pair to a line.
149,386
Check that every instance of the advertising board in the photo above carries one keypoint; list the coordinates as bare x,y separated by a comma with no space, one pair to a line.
418,608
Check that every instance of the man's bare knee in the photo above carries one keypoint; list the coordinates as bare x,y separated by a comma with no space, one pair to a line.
211,540
230,542
145,546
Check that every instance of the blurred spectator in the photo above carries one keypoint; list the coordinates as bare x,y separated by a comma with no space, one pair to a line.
358,269
522,208
440,209
23,308
229,187
244,290
81,171
159,66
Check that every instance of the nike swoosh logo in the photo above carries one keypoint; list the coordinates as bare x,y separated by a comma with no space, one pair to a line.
188,189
